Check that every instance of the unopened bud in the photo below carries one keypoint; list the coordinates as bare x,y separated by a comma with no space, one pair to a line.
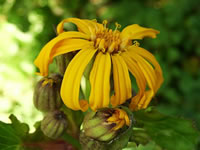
54,124
62,61
47,93
105,124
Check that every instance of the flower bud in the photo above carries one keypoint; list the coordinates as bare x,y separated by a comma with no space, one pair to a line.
62,61
54,124
105,124
47,93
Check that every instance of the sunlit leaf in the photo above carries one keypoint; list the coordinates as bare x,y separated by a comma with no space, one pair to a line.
11,134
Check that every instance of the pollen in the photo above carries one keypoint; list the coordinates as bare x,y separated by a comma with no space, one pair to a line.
108,40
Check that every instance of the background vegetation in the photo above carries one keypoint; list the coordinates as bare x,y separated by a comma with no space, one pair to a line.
26,25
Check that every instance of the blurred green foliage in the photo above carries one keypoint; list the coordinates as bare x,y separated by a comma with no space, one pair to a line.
177,47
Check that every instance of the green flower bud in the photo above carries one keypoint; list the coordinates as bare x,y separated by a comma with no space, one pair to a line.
105,124
47,93
62,61
54,124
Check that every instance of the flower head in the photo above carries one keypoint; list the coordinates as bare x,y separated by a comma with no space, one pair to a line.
112,50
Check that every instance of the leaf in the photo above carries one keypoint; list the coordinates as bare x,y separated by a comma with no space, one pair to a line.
130,146
21,129
149,146
11,134
36,136
168,132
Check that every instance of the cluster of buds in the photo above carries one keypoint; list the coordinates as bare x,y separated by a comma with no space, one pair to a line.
47,99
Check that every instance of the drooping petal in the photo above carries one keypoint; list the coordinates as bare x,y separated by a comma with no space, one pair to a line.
147,70
139,76
82,25
149,57
146,99
122,82
135,31
43,59
72,78
150,76
135,70
100,81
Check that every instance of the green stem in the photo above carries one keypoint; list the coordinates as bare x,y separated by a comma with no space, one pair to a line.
74,129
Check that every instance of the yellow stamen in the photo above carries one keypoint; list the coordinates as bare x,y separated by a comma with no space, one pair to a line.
111,47
136,43
118,26
105,22
101,44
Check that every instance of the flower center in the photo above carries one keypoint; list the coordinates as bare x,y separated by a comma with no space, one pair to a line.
108,40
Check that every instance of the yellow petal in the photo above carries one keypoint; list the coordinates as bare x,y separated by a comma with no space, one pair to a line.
139,76
135,31
72,78
119,125
100,81
127,120
82,25
153,76
135,70
147,70
122,82
68,45
149,57
43,59
146,99
113,118
134,105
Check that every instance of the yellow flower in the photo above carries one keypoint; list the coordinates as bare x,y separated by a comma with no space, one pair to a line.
112,50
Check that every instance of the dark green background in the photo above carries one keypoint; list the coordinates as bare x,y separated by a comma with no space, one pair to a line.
177,47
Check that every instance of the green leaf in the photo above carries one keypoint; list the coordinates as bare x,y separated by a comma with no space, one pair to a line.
11,134
36,136
149,146
21,129
169,133
130,146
